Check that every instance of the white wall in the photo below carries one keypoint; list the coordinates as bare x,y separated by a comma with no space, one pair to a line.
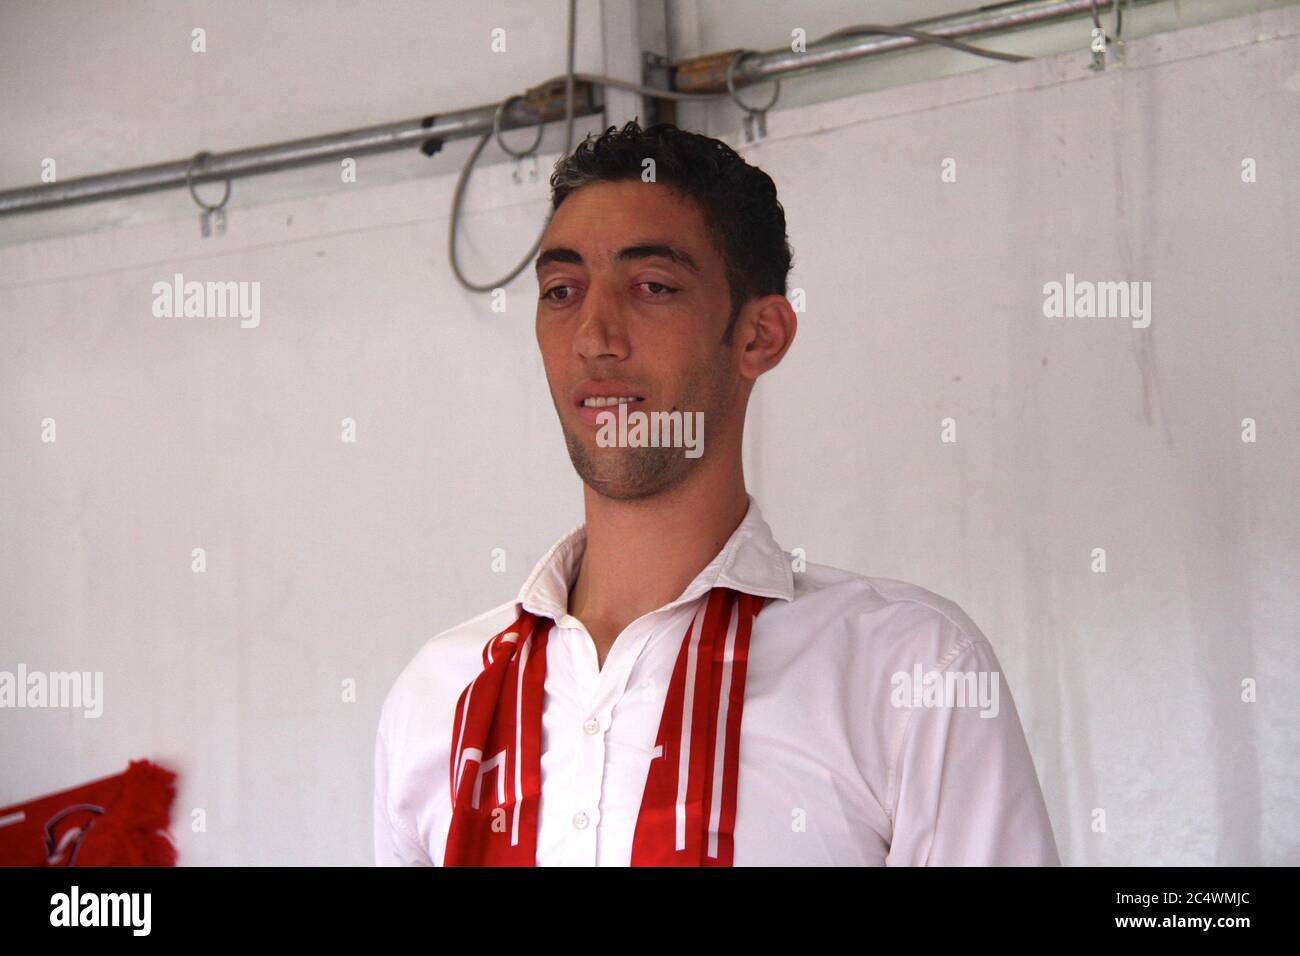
105,86
330,561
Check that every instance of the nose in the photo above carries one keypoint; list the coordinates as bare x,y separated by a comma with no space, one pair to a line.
602,328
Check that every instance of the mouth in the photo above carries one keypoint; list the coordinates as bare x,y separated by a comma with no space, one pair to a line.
591,406
604,401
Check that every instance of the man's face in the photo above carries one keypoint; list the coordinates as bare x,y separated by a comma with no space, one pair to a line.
633,303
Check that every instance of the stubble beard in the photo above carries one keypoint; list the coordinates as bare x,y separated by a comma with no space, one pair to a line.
631,473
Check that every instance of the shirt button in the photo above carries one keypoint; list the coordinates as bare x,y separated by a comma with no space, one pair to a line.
580,820
592,726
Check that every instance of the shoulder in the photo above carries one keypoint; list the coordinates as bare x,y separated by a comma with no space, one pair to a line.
429,685
884,613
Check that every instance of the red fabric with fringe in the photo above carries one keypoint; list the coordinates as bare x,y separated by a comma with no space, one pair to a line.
117,821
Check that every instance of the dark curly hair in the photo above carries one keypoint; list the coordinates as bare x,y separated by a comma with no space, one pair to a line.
741,211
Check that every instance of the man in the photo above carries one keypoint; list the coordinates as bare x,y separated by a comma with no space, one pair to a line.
667,688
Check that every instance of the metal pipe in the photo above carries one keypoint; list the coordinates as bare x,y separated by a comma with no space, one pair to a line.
705,74
708,74
427,132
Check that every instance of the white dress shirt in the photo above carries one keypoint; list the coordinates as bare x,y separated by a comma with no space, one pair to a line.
841,763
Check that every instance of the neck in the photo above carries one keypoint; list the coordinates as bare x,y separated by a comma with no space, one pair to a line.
642,553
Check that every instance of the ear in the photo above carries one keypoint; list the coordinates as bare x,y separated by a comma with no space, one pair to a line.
764,332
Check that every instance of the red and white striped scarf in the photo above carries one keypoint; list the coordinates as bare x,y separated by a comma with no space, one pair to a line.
688,808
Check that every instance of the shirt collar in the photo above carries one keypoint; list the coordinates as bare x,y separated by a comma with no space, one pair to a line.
751,562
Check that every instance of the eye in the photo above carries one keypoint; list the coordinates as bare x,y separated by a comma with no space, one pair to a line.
548,293
669,290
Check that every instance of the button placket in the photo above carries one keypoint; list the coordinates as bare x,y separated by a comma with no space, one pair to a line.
588,783
610,685
589,759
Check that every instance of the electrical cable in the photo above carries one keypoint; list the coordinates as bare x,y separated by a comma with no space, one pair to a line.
859,29
570,77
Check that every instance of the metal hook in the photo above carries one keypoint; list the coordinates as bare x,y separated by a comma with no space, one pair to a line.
751,113
209,211
1100,39
496,127
523,158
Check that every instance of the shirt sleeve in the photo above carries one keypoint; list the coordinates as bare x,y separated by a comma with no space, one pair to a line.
394,845
967,793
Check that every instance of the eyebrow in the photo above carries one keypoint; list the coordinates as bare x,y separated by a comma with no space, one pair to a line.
626,254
